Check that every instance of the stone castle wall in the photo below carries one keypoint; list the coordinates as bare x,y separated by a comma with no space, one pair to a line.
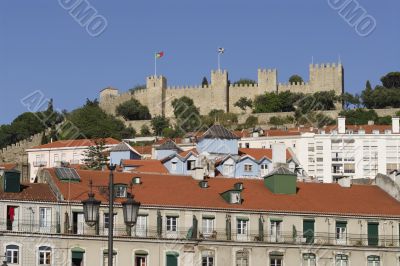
219,94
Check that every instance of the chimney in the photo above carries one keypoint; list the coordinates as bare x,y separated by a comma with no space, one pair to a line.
371,122
278,154
345,182
341,125
395,125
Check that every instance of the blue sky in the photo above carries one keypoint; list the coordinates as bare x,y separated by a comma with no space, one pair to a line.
43,48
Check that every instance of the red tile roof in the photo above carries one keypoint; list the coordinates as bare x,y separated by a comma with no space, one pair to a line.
8,166
185,153
184,192
260,153
149,166
74,143
30,192
144,149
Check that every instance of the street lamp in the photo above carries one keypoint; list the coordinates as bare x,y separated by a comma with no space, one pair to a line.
91,212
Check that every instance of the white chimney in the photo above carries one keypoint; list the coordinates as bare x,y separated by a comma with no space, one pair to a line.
345,182
278,154
341,125
395,125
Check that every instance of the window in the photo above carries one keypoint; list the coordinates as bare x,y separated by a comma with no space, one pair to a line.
235,197
341,233
106,222
374,261
276,260
56,158
191,164
276,230
264,169
248,167
105,257
141,226
341,260
120,191
44,255
207,258
309,259
45,219
141,258
208,226
247,145
172,226
173,166
242,258
308,231
172,258
373,234
228,169
12,254
242,228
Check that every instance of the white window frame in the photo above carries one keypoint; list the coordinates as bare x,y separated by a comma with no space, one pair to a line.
208,258
47,255
173,166
228,169
242,228
309,259
141,226
12,254
273,260
243,260
120,191
171,226
248,167
45,219
374,262
208,226
141,257
276,231
341,260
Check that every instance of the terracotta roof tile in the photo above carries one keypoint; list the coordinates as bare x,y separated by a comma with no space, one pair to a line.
30,192
144,149
8,166
184,192
150,166
74,143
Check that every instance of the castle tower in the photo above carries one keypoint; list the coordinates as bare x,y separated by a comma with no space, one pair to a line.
327,77
219,90
154,98
267,80
108,92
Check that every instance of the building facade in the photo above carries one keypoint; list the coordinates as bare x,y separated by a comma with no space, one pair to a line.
333,152
218,222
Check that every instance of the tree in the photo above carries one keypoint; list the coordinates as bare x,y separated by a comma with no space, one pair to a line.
145,130
276,121
204,82
158,123
296,79
359,116
187,114
245,82
251,122
366,95
244,103
90,121
215,115
133,110
350,99
169,133
44,139
391,80
95,158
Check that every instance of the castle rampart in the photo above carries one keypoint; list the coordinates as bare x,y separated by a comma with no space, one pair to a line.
219,94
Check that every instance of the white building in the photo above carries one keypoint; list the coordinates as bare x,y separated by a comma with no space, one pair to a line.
333,152
66,151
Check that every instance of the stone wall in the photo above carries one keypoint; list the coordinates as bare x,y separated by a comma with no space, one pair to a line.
219,94
15,153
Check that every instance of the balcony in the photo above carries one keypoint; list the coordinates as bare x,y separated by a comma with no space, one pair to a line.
284,238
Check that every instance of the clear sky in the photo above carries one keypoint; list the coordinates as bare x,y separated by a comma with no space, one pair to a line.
43,48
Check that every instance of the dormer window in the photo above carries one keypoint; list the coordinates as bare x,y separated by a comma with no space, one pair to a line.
191,165
235,197
120,191
248,167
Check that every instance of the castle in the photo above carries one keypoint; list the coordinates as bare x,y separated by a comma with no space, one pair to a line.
220,94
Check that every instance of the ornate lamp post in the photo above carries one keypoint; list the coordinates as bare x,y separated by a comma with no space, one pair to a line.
91,212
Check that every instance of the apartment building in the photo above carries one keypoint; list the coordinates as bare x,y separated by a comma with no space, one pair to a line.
62,151
333,152
183,221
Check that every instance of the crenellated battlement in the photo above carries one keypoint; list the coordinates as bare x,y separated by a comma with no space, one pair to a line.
219,94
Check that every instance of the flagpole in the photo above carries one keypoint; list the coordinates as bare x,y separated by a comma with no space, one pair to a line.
155,65
219,62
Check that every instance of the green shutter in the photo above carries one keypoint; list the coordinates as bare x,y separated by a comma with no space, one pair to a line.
172,259
195,228
159,224
308,231
228,227
261,229
373,235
